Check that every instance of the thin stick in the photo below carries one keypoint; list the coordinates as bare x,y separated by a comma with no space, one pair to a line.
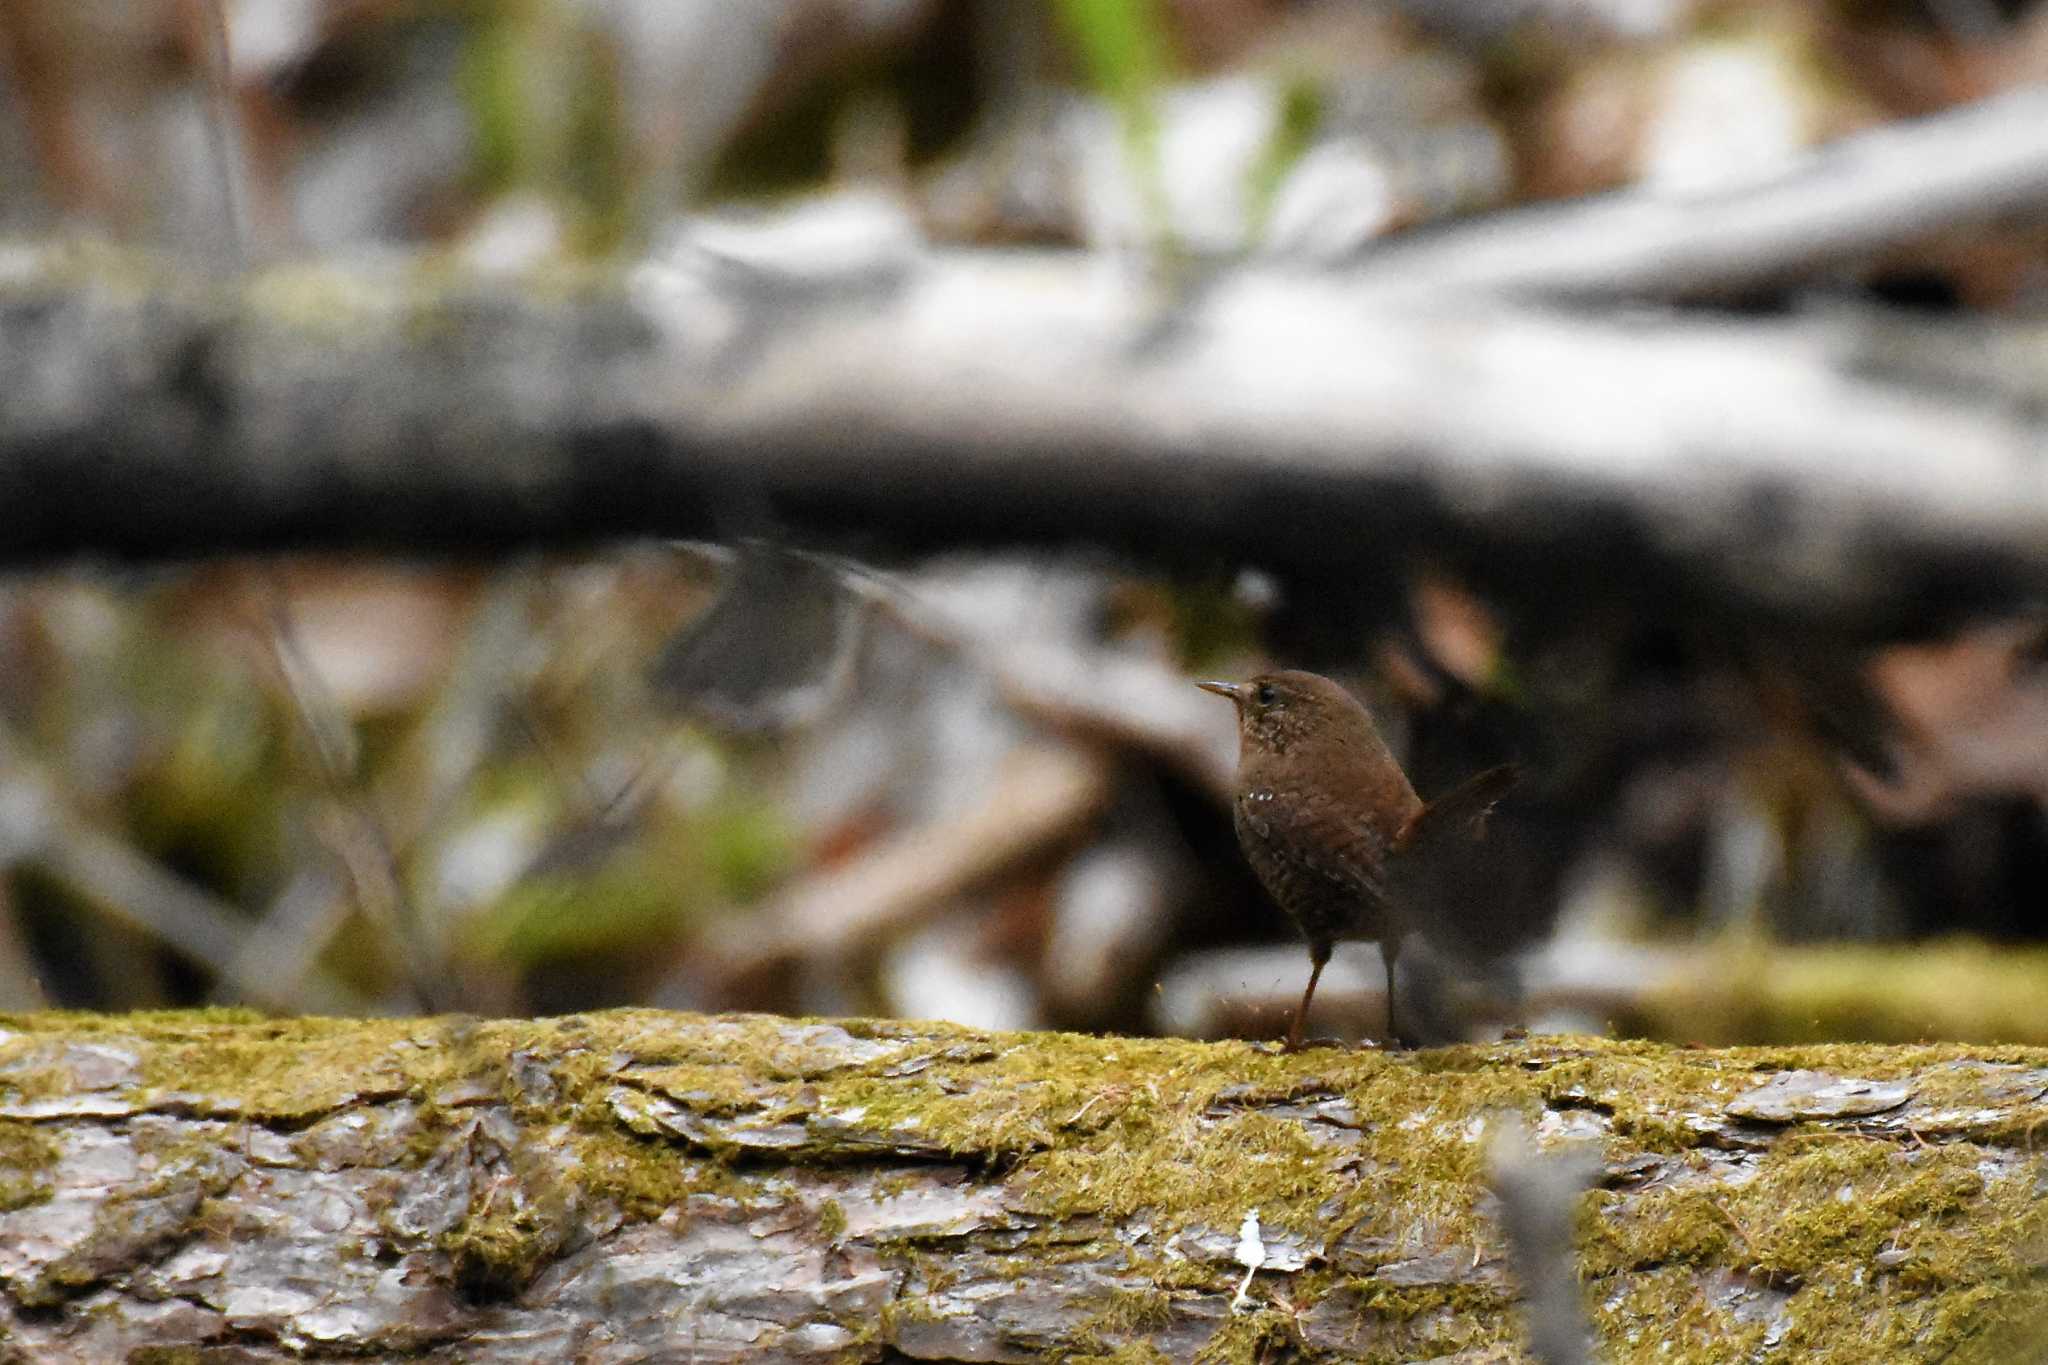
335,744
209,26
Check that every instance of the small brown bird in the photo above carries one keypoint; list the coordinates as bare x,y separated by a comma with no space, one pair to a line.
1329,823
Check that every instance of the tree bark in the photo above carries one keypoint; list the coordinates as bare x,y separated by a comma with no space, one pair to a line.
645,1186
1857,469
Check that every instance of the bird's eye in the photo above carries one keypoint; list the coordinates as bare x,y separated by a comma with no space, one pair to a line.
1265,695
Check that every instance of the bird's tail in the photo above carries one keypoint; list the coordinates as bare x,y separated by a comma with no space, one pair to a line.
1459,813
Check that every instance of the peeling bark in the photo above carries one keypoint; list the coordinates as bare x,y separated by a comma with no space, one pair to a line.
645,1186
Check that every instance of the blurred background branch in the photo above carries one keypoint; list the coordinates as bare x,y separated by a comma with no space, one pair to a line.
1846,200
1287,423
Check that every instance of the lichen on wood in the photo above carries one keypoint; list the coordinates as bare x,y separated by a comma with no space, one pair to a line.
636,1185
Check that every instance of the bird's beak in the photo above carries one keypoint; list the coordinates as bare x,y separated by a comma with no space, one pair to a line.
1234,691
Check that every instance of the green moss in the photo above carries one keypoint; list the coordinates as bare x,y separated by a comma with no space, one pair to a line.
1117,1331
1399,1303
28,1156
1663,1314
1844,1199
1130,1311
1661,1228
1960,989
1248,1337
1110,1137
26,1084
146,1025
1120,1130
1130,1353
1812,1224
505,1239
286,1069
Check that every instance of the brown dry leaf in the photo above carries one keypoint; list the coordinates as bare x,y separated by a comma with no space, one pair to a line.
1974,710
1458,630
1585,136
378,637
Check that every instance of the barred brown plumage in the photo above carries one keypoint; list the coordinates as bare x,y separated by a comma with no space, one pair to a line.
1329,822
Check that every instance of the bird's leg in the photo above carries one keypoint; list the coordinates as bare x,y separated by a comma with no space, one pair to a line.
1319,956
1390,953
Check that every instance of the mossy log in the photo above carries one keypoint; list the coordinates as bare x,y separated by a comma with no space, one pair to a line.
648,1186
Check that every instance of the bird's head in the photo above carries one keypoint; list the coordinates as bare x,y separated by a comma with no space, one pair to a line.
1276,711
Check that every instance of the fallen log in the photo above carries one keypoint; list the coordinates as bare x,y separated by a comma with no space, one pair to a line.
639,1185
1828,469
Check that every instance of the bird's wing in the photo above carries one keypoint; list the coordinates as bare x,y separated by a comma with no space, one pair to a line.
1347,854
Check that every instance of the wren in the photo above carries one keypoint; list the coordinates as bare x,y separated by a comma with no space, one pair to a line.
1332,827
